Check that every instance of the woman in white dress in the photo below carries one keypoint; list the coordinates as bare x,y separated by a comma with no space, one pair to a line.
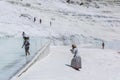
76,60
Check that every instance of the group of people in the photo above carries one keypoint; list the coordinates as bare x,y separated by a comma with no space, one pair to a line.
40,21
76,60
35,19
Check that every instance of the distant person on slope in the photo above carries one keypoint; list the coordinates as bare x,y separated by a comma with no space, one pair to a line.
40,21
50,23
103,45
26,44
34,19
76,61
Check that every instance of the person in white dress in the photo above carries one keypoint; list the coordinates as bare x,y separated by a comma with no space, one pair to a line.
76,60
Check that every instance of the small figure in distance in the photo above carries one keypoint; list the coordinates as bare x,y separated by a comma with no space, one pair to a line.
103,45
34,19
76,60
50,23
40,21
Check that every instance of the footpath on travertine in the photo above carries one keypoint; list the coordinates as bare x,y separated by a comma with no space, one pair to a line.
97,64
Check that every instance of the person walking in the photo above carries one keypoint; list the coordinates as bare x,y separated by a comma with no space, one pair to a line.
76,60
26,44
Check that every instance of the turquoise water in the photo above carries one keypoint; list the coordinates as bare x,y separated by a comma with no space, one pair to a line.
12,55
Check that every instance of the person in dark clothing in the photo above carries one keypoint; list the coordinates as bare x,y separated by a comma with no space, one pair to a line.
26,44
40,21
103,45
50,23
34,19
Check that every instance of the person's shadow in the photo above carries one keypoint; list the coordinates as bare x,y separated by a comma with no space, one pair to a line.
71,66
68,65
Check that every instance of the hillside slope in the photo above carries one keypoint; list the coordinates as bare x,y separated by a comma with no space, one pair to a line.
70,23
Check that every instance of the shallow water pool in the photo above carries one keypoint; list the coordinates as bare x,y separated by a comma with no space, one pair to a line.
12,55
